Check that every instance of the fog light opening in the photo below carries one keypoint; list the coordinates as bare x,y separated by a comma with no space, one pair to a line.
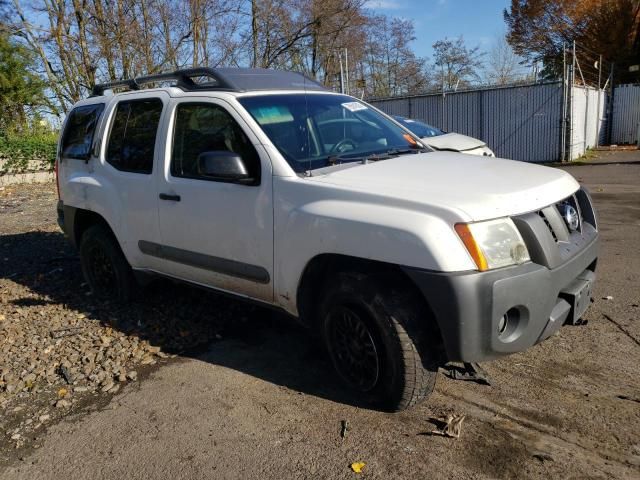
508,324
502,325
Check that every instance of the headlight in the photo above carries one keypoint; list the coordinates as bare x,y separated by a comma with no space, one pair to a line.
488,152
494,243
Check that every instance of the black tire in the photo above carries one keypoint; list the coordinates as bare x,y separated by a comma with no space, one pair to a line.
104,266
393,325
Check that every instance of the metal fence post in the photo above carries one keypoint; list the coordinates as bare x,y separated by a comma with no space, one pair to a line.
571,92
610,109
565,99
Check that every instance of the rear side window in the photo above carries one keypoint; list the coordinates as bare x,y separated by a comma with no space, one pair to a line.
133,135
79,130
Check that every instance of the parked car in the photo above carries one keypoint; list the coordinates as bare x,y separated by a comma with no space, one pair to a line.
265,185
441,140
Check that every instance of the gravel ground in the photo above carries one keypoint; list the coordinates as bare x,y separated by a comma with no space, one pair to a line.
249,394
58,347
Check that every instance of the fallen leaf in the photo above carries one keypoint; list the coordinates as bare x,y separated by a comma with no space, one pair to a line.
357,467
451,426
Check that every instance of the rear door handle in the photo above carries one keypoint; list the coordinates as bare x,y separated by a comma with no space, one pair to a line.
166,196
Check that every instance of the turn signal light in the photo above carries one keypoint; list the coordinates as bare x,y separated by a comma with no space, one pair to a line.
474,250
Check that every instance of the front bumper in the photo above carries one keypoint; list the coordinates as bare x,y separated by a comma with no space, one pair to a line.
469,307
537,297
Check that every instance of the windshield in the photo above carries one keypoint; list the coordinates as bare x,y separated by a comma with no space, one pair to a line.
421,129
317,130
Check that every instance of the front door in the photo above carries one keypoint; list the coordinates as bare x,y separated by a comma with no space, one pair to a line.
214,232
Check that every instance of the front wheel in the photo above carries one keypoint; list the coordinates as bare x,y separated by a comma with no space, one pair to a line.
379,340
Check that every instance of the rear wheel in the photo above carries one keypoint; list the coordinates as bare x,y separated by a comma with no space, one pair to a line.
379,339
104,266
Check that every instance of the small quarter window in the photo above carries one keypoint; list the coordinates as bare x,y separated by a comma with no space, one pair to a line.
133,135
79,130
207,127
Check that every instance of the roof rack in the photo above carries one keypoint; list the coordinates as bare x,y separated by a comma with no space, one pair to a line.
225,79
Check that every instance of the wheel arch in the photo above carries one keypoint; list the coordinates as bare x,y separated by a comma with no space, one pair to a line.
82,220
321,268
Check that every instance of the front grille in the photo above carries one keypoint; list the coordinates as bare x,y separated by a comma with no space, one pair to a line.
587,213
547,236
546,222
554,218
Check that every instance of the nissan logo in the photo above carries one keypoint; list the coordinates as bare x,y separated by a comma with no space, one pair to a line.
570,216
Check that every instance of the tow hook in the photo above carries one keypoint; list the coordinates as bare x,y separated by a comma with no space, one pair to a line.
470,372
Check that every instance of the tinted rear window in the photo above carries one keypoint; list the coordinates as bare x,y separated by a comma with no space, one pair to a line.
79,130
133,135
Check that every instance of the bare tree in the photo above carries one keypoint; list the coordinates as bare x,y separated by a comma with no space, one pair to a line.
456,64
391,66
215,26
503,65
83,42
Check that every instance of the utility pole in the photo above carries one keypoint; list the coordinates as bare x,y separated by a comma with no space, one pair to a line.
341,73
611,102
563,122
444,127
346,71
573,77
599,93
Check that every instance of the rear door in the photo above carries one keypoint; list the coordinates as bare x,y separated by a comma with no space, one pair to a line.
130,157
214,232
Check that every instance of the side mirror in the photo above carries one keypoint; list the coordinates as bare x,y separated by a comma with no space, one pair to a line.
222,165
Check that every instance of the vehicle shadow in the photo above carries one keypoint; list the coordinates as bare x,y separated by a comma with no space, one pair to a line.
180,319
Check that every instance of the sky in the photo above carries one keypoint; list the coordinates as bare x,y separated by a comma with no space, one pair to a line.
480,22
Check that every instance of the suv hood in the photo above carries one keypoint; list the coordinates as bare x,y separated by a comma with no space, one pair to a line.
481,187
453,141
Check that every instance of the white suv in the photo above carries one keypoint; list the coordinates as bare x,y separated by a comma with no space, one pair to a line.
263,184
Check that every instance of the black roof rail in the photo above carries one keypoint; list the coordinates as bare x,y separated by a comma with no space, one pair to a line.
183,78
226,79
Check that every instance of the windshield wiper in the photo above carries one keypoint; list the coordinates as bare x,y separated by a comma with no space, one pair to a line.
405,151
374,157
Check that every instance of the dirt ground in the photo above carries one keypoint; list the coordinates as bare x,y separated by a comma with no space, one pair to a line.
247,394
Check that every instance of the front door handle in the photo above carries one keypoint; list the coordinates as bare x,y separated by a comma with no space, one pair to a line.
166,196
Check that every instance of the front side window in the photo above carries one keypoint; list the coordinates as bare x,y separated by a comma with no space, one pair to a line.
79,130
133,135
205,127
316,130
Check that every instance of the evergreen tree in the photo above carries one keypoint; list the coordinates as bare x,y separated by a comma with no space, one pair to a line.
21,89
